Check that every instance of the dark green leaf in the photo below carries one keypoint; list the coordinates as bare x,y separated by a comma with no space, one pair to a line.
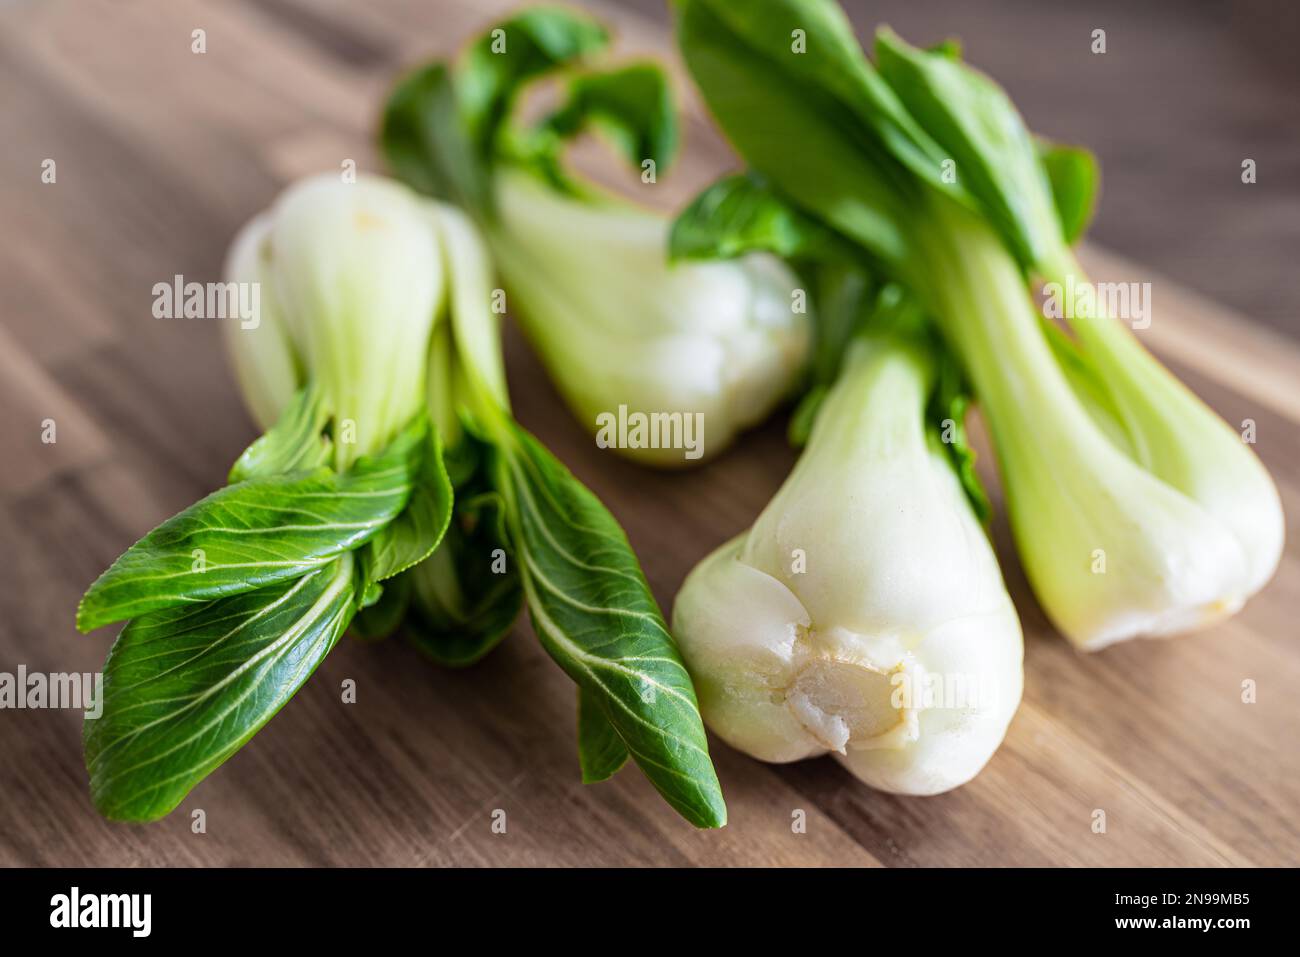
413,535
978,127
601,752
186,687
1075,177
442,126
831,63
532,43
256,532
527,46
424,140
739,214
467,595
593,612
296,443
384,616
632,105
462,611
464,461
949,404
781,112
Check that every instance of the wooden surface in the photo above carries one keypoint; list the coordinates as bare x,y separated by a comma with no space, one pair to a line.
161,154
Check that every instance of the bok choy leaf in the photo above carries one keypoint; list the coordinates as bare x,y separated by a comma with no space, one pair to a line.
185,687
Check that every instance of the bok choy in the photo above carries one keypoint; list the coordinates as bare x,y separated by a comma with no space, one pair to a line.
375,366
624,334
1136,510
864,613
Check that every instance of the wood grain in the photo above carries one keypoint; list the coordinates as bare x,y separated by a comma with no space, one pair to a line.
161,154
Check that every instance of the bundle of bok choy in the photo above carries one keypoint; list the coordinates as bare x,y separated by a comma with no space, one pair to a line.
375,367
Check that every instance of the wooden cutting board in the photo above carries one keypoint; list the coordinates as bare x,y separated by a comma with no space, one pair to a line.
161,154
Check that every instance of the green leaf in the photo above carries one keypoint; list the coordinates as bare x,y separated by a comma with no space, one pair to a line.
782,113
1075,177
424,141
805,415
594,614
384,616
830,69
632,105
739,214
601,752
949,404
413,535
296,443
185,688
532,43
467,595
461,613
256,532
977,125
442,126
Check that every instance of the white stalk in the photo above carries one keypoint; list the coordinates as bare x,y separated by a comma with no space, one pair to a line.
862,598
351,280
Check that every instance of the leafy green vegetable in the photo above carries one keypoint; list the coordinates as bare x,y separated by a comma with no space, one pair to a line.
754,41
746,85
1105,457
385,615
422,121
414,533
632,105
185,687
509,538
616,323
217,645
377,319
792,629
531,43
977,125
594,614
440,134
234,601
740,214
